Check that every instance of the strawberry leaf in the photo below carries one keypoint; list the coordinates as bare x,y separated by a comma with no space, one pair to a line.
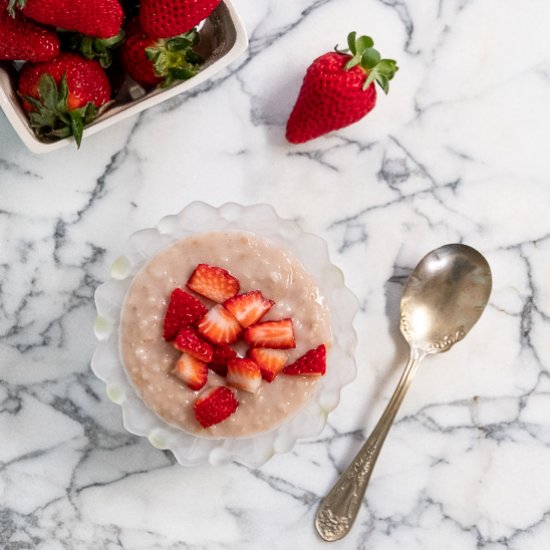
92,48
352,62
33,101
65,118
384,83
182,73
62,95
382,73
47,90
174,58
41,119
178,44
370,58
364,55
363,43
12,4
77,126
370,79
152,53
387,67
193,57
351,42
63,132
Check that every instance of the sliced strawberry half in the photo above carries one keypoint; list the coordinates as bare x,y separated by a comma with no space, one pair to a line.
222,355
312,363
271,334
244,374
183,310
191,371
214,283
249,308
189,341
270,361
219,326
215,405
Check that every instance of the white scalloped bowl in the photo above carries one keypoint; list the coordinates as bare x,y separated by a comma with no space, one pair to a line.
262,220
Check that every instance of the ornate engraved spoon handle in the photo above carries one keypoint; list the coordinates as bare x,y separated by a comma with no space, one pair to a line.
339,508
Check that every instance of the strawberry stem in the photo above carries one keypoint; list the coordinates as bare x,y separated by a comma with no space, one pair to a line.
12,4
91,47
174,58
364,55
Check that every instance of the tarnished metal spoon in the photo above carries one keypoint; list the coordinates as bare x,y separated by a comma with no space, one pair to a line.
442,300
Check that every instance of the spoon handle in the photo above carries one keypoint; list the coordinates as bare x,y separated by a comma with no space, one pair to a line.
339,508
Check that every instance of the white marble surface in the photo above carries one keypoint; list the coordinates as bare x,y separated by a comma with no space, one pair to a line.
457,152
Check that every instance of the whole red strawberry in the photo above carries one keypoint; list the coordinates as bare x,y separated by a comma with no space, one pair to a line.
21,38
167,18
63,95
338,90
99,18
152,61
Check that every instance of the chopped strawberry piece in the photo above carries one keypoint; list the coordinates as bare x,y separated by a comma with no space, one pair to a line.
222,355
214,405
213,282
312,363
244,374
219,326
188,340
271,334
249,308
191,371
270,361
183,310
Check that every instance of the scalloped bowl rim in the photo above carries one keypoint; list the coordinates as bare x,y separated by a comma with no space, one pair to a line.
262,220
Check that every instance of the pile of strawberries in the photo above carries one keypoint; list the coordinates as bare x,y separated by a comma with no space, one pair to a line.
204,336
67,46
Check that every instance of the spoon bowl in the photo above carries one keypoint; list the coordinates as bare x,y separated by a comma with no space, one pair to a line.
444,297
442,300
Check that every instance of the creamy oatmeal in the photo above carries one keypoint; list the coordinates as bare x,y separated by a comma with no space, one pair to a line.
259,265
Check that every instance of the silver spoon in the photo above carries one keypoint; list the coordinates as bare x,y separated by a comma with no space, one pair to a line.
442,300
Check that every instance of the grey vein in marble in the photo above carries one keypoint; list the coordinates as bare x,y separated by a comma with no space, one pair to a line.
455,153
